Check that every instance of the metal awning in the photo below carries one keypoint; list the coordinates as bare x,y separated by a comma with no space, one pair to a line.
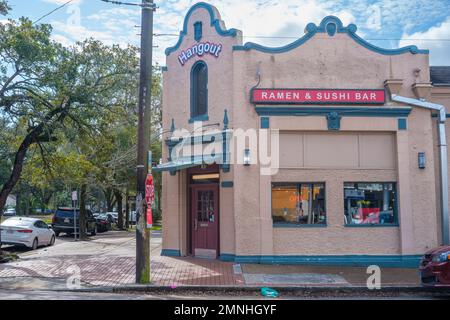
188,162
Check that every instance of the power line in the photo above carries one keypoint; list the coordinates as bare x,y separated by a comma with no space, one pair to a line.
148,4
292,37
54,10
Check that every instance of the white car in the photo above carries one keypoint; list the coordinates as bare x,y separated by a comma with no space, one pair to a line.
28,232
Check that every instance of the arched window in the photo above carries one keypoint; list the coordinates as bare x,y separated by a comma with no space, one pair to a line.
199,91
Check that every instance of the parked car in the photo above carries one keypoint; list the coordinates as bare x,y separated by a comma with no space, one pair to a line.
62,221
9,212
103,223
435,267
29,232
114,215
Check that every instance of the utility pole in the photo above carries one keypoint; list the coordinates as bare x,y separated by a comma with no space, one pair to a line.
144,120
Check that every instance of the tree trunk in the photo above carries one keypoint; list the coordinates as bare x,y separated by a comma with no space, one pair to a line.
127,210
83,193
42,132
110,199
118,196
17,170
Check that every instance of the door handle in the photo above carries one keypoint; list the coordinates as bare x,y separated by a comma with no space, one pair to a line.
195,224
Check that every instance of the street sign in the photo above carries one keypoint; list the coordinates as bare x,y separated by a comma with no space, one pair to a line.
74,196
149,197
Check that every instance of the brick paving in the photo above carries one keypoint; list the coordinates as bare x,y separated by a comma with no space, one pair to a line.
106,268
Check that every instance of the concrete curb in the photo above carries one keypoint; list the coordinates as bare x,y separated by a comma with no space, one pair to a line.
293,290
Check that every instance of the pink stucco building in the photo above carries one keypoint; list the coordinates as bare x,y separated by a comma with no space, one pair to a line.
324,151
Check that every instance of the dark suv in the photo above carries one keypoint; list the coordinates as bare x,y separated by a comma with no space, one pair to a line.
63,222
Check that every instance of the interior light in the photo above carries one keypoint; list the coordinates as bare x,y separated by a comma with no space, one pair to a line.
246,157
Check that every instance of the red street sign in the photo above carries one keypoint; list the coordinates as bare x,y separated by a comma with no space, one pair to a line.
149,217
149,197
318,96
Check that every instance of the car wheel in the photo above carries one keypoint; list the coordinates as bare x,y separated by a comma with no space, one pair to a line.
94,232
35,244
52,241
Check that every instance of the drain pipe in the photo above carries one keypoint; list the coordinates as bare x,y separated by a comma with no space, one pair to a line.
442,156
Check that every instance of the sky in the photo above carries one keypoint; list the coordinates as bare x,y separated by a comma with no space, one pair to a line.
385,23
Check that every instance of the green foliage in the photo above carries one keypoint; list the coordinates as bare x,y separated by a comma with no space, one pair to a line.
4,8
75,107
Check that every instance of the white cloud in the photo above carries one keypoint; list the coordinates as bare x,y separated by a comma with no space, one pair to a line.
439,50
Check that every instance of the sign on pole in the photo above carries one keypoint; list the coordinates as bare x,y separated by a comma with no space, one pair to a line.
149,197
74,200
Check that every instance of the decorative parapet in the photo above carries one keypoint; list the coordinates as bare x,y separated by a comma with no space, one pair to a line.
330,25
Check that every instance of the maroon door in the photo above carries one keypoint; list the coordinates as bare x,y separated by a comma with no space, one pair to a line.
205,220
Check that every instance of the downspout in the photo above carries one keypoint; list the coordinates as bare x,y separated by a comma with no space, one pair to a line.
442,156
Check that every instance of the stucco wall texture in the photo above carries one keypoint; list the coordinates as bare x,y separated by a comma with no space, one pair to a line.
323,61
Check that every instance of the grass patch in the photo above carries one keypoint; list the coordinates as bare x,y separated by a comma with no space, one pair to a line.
8,257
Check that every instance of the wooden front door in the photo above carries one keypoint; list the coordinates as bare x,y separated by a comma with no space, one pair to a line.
205,220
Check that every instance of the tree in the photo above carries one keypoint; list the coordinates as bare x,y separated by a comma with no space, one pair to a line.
54,91
4,8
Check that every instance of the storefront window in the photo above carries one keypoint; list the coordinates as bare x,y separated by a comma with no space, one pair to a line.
370,203
298,204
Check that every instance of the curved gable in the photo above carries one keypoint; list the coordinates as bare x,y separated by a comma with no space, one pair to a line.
215,22
330,25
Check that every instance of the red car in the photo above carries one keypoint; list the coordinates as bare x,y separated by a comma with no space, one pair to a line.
435,267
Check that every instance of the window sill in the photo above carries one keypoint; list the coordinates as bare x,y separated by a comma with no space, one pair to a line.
292,225
203,117
368,225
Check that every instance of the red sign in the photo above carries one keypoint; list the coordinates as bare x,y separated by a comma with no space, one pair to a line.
149,190
149,197
318,96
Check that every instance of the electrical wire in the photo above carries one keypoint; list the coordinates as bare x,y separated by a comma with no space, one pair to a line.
54,10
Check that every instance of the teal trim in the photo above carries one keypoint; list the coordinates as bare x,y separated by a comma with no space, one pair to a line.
294,225
447,115
265,122
330,25
170,253
402,124
333,121
194,90
372,225
342,111
215,22
389,261
187,162
203,117
227,257
227,184
198,32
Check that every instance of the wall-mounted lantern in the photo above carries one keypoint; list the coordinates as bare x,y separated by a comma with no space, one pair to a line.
421,160
247,157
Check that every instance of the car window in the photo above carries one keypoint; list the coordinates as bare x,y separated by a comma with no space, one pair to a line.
66,213
40,224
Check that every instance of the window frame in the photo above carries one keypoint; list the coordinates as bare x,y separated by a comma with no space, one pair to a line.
298,225
374,225
193,99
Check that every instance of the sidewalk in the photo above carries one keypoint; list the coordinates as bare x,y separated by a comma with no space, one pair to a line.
109,261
